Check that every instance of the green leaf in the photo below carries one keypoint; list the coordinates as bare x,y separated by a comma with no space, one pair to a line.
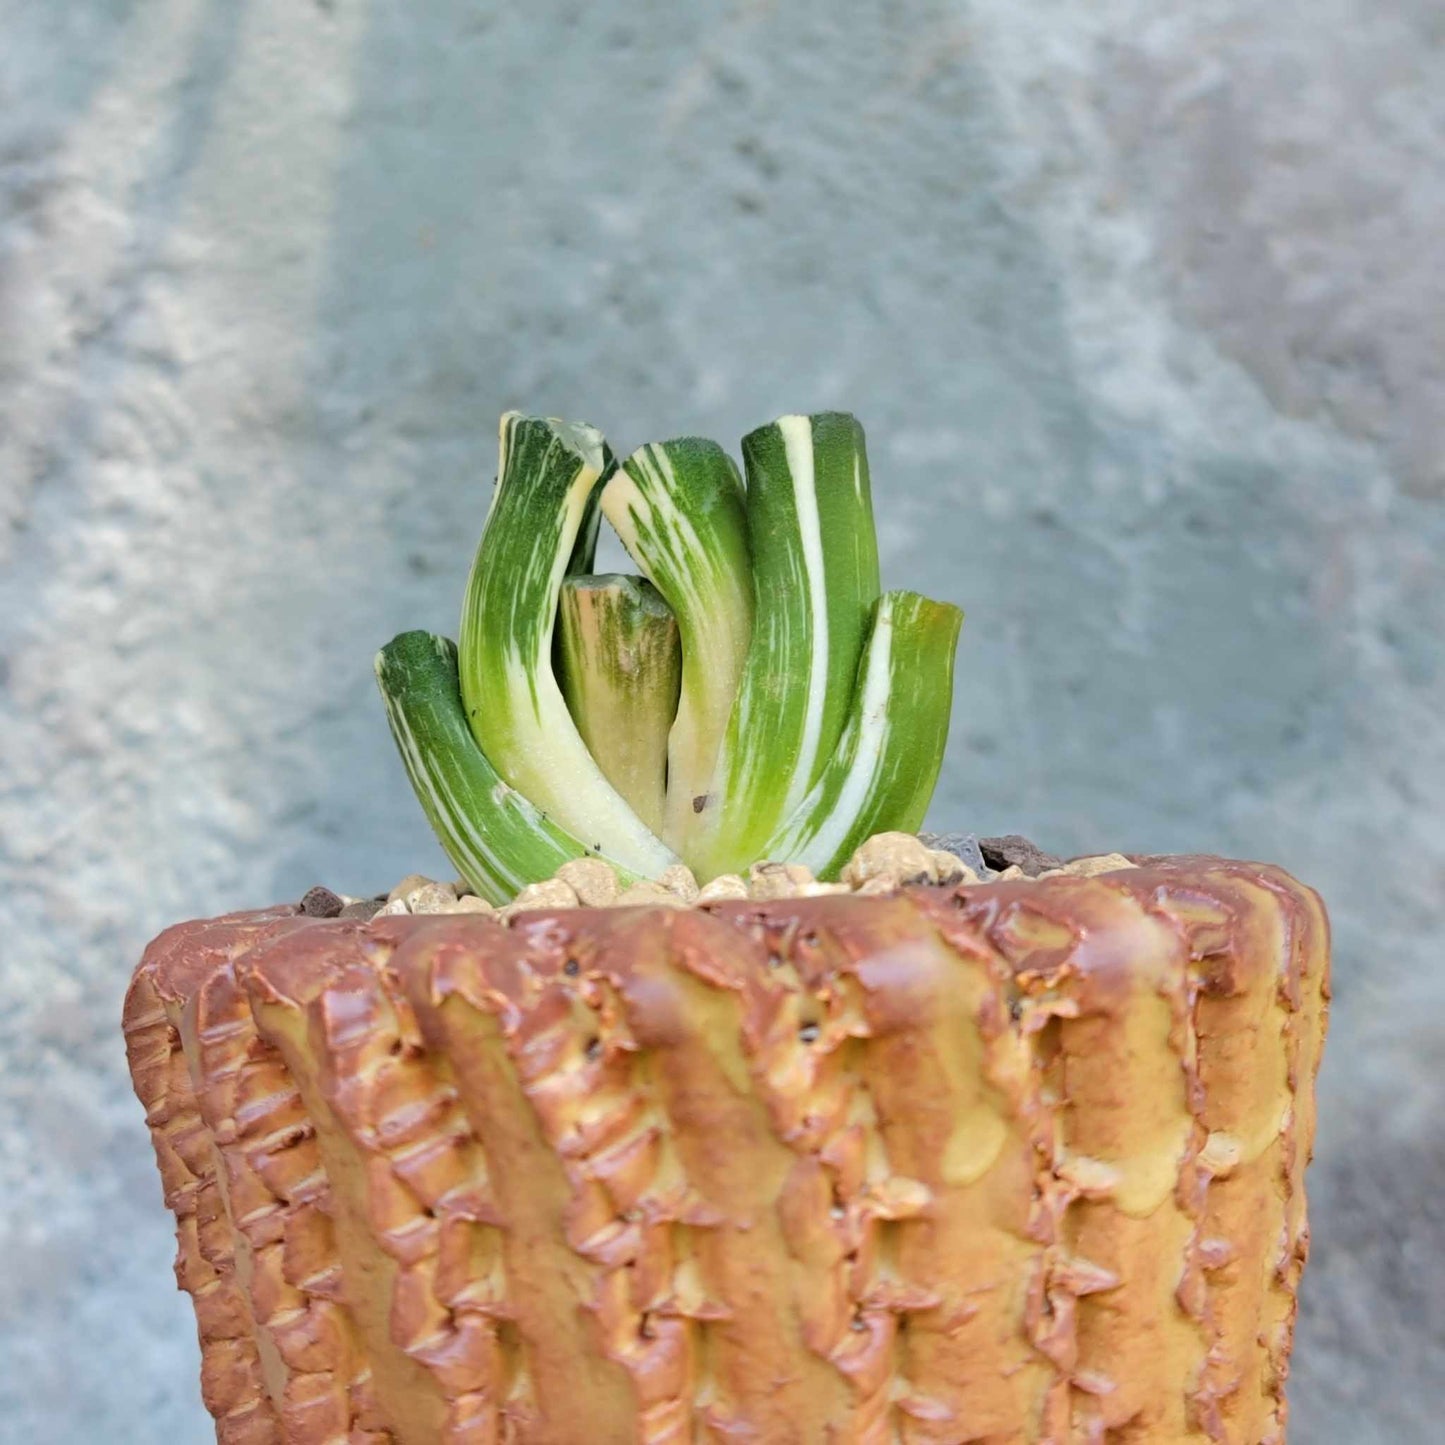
620,665
815,580
546,475
498,841
883,773
678,507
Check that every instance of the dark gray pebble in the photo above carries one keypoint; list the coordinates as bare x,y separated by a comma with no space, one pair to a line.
363,908
963,846
321,902
1014,849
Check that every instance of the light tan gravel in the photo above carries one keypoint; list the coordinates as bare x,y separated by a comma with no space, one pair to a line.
884,863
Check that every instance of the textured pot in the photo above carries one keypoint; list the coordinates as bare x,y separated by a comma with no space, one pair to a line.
1018,1161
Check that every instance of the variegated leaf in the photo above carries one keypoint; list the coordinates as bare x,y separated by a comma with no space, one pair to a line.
678,507
497,839
620,665
815,580
882,774
546,475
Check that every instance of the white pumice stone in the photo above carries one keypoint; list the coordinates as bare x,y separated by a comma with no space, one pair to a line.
898,857
679,879
880,865
778,880
554,893
594,881
951,869
409,885
725,887
649,894
470,903
431,898
1099,863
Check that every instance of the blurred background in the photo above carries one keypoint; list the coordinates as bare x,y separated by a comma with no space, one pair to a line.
1142,310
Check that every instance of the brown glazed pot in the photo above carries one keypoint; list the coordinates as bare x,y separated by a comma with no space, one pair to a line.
1008,1162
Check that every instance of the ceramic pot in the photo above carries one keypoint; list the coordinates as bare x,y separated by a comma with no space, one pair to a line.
1008,1162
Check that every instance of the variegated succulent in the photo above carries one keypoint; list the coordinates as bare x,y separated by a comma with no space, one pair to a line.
752,695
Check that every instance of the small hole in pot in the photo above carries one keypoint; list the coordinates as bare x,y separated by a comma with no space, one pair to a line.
571,968
594,1047
810,938
809,1033
858,1325
775,959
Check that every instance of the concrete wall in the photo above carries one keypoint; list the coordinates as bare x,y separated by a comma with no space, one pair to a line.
1142,307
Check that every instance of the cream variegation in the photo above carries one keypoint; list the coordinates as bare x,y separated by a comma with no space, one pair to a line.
497,839
619,663
548,470
883,771
679,509
815,579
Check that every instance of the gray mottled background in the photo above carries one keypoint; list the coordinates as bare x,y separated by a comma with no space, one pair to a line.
1143,307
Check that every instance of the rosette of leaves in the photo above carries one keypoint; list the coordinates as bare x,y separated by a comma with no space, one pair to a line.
751,695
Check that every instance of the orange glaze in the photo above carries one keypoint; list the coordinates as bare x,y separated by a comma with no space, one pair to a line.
1007,1162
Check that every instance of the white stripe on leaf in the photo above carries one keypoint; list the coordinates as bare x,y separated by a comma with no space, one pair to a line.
513,704
883,771
679,510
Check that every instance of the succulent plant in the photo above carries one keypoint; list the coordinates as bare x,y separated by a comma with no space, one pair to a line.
1010,1159
752,695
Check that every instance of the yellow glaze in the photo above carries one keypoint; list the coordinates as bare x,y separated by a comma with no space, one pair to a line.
1017,1163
